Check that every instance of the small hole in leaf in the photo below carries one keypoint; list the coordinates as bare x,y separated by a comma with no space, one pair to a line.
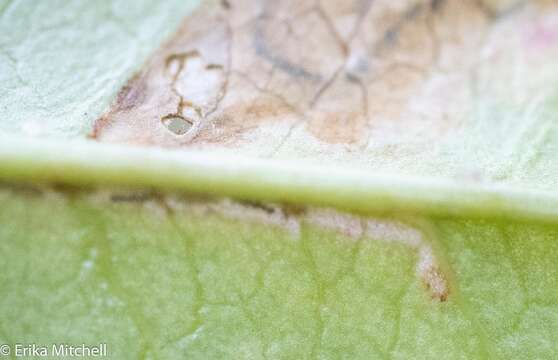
177,124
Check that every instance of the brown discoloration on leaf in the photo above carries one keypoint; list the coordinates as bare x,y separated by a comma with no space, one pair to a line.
243,116
436,284
132,94
338,127
342,72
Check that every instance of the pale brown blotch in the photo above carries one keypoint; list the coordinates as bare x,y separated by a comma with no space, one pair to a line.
343,70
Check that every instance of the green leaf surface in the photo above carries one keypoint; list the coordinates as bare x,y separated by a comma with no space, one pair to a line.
432,236
156,282
62,61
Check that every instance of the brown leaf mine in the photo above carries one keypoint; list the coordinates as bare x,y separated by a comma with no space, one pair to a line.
334,80
338,72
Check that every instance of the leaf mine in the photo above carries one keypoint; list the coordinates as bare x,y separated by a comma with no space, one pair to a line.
399,86
462,92
352,227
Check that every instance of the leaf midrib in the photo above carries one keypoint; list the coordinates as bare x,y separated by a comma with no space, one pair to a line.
88,163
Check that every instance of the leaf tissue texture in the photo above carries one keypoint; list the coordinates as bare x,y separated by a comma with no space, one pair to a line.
280,179
167,278
460,89
61,61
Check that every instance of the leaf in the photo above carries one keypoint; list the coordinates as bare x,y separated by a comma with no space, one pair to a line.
187,282
422,223
61,62
447,88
